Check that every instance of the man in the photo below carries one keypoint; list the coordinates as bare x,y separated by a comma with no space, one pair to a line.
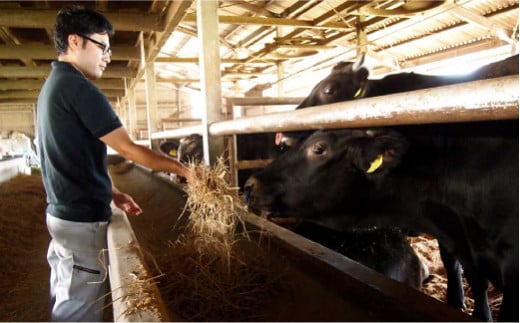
75,123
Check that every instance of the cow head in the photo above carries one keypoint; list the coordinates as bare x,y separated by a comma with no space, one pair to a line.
170,148
347,81
325,174
190,149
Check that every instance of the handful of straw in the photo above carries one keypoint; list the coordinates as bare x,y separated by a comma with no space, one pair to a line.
215,208
212,277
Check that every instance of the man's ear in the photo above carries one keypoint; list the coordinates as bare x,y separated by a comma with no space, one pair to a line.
74,41
382,151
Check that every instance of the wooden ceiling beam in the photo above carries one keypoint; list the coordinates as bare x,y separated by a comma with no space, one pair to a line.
20,84
9,103
482,22
195,60
23,52
45,18
176,80
6,104
9,38
31,84
33,94
172,17
43,71
262,21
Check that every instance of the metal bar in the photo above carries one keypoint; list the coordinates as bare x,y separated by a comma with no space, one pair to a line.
250,164
493,99
178,133
264,100
181,120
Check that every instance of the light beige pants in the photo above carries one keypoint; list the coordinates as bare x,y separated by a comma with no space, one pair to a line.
78,269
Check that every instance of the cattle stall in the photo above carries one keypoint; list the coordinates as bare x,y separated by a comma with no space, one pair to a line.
236,107
352,287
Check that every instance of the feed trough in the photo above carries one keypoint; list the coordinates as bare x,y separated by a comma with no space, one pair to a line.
317,284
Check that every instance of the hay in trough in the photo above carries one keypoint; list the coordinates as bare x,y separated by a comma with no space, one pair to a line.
216,272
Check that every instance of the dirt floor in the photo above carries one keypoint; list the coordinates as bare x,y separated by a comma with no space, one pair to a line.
427,249
23,245
24,240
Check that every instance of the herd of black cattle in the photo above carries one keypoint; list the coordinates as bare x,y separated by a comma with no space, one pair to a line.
354,190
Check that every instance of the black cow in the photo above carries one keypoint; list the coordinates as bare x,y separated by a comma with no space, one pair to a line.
190,149
383,249
170,147
457,182
348,81
249,147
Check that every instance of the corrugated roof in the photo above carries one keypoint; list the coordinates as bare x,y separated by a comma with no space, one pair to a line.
257,37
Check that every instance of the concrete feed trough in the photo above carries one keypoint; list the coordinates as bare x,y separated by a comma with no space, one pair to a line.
323,285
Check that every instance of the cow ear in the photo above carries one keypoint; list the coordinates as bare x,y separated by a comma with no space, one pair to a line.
382,152
360,78
361,74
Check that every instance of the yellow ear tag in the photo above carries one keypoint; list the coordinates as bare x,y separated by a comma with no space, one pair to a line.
375,164
358,93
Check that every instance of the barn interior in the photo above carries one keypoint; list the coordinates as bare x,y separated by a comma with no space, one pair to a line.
220,68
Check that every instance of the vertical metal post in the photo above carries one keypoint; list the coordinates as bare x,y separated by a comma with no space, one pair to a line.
209,60
151,100
151,97
361,36
132,113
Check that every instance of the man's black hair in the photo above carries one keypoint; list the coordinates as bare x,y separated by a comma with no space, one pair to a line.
78,20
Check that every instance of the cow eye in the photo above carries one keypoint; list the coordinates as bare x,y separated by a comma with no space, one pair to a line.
318,149
329,90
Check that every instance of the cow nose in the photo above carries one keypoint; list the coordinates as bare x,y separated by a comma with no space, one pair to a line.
249,186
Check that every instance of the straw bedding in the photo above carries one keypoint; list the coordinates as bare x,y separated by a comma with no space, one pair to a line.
427,249
24,239
23,245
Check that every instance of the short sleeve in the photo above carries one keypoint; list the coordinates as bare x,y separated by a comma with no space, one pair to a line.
95,112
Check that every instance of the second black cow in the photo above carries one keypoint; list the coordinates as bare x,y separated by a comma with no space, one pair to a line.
456,182
349,81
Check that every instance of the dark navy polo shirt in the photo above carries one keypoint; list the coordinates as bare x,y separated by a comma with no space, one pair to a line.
72,114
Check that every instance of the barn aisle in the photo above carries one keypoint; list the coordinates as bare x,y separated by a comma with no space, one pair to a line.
23,246
24,239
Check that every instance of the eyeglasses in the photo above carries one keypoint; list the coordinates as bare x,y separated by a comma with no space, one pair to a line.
104,47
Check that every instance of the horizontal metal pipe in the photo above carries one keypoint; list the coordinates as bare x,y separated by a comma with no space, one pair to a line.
250,164
264,100
178,133
181,120
493,99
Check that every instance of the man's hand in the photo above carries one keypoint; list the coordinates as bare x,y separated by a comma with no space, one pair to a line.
126,203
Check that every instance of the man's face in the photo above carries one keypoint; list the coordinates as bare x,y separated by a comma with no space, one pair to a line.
93,56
